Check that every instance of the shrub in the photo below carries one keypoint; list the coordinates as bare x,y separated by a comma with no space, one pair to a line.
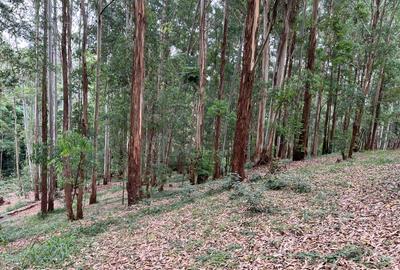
255,178
187,194
301,187
296,183
252,198
231,181
275,184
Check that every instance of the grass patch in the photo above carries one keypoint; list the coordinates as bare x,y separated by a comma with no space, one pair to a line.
215,258
350,252
34,225
53,251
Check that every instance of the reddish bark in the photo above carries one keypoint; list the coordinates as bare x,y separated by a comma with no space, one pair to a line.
245,91
134,156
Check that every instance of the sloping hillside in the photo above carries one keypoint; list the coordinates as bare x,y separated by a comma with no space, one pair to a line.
316,214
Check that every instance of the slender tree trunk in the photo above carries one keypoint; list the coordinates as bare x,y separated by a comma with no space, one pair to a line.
346,122
301,147
65,75
84,123
69,57
135,140
43,185
278,79
264,92
16,144
107,158
202,85
50,93
367,78
28,139
245,90
376,111
217,145
151,161
93,194
325,144
316,125
334,119
37,89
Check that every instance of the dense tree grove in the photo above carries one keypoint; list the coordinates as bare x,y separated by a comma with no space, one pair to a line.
94,90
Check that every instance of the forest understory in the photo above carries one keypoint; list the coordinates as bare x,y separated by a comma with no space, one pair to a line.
313,214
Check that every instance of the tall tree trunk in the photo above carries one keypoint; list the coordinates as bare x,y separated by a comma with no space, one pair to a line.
66,113
217,144
334,119
16,144
93,194
265,70
202,85
43,184
278,79
50,93
376,110
245,90
301,147
367,78
69,56
107,156
325,144
28,139
316,125
151,161
135,140
84,123
37,89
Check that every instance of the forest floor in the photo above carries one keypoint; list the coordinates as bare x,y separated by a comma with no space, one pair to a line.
315,214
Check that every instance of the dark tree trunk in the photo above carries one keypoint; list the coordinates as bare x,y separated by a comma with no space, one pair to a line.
217,144
43,184
66,163
84,120
301,147
93,194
